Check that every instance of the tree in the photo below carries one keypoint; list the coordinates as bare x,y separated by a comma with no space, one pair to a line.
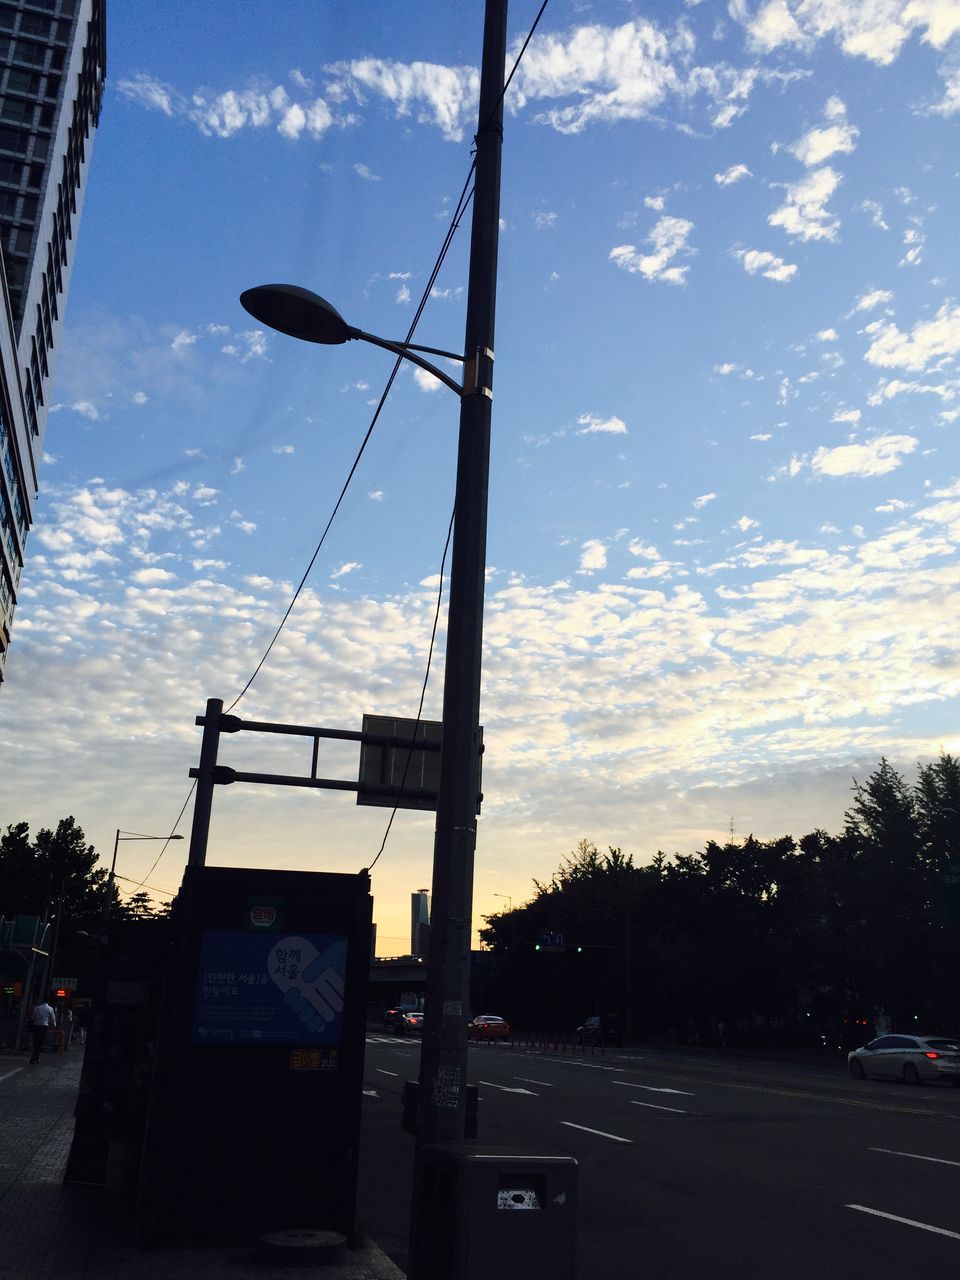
55,875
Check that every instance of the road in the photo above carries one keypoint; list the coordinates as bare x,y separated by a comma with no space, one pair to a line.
700,1164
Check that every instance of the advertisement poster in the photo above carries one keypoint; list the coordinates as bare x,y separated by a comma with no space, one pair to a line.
255,988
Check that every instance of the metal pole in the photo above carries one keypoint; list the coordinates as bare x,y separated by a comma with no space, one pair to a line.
209,746
443,1058
108,905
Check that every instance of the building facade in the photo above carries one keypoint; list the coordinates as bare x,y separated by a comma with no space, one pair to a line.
52,72
420,924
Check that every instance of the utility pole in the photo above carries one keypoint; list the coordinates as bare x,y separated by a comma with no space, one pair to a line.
443,1057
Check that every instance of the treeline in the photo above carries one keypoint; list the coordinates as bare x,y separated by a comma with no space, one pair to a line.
58,875
814,940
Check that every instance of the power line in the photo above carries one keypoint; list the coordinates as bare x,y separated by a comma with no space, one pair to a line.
519,58
461,207
169,893
193,787
423,690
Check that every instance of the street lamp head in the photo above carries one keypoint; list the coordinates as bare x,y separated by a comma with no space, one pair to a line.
297,312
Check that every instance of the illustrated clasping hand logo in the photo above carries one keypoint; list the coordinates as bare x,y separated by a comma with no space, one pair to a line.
315,995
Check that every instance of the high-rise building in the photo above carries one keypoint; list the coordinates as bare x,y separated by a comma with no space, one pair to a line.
420,924
52,69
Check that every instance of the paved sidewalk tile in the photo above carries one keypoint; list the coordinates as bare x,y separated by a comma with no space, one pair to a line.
52,1232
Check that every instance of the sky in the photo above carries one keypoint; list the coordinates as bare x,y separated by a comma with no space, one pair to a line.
725,482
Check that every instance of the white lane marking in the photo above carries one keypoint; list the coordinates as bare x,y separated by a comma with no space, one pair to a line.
8,1074
529,1081
653,1107
650,1088
907,1222
384,1072
506,1088
593,1066
613,1136
910,1156
371,1093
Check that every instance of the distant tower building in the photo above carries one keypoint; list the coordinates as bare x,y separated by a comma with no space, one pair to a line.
420,923
52,69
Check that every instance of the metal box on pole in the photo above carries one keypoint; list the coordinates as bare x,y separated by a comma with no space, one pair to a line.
490,1209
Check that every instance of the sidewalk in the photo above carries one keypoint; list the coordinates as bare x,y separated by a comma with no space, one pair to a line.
52,1232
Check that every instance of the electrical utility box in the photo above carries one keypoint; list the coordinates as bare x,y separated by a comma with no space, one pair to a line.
483,1210
254,1115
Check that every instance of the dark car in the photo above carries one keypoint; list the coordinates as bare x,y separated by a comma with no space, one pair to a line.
605,1029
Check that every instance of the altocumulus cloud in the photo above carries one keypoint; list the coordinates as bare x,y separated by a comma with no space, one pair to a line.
592,425
877,458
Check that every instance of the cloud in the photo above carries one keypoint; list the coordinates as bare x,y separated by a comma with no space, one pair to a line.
349,567
804,213
182,341
929,342
593,425
425,380
668,240
442,96
745,523
593,556
542,220
767,264
362,171
140,397
86,409
222,115
149,93
819,144
874,298
878,458
871,29
735,173
846,415
702,501
283,448
150,577
826,335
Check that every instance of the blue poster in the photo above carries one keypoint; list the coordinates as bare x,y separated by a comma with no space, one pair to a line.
256,988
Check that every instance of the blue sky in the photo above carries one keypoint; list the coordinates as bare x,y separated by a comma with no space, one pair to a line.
725,491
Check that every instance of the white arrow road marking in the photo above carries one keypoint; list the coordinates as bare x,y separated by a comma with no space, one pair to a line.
509,1089
907,1222
371,1093
612,1136
650,1088
384,1072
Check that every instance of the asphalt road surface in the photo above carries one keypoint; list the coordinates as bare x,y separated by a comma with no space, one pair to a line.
702,1164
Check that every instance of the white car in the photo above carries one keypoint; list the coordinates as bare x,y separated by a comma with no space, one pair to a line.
913,1059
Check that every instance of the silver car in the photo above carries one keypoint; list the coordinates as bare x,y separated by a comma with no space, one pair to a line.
913,1059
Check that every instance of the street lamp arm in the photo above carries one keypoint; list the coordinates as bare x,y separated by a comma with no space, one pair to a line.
410,353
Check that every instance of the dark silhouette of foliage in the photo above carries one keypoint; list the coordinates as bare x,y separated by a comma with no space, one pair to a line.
810,941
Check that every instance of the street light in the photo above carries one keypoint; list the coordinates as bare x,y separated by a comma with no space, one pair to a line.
124,835
297,312
289,309
508,898
442,1094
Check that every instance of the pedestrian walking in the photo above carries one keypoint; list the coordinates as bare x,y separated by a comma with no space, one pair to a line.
66,1023
43,1018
